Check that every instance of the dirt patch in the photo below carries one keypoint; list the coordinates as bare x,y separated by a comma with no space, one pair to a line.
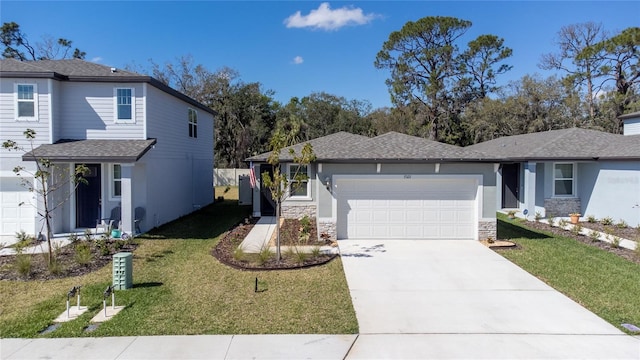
67,264
289,236
500,244
556,231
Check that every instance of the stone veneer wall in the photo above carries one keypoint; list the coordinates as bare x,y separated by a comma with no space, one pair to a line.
561,207
487,229
297,211
328,227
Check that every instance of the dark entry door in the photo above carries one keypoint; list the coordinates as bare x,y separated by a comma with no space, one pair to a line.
267,205
510,185
88,199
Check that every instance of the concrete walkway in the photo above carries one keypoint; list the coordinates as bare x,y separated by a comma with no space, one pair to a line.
458,299
259,235
221,347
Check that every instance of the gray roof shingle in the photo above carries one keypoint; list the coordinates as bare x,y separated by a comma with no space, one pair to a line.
121,151
343,146
80,70
565,144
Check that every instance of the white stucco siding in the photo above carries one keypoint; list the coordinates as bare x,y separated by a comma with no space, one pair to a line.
87,111
611,189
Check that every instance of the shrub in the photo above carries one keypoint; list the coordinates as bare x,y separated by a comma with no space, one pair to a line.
591,219
54,266
538,216
315,251
595,235
238,254
636,251
615,242
577,229
562,223
300,256
118,244
264,255
622,224
607,221
552,222
103,246
23,264
83,253
305,222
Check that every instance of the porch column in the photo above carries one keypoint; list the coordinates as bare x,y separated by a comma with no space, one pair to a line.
126,198
530,189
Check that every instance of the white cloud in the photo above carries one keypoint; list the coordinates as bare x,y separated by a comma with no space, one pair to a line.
327,19
96,59
298,60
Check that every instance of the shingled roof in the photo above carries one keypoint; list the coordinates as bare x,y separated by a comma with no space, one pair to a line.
565,144
80,70
86,151
392,146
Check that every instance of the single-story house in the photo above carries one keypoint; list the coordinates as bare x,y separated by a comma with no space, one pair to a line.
555,173
392,186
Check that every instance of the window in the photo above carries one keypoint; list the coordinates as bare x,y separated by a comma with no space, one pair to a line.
298,181
26,102
116,181
563,179
193,123
124,104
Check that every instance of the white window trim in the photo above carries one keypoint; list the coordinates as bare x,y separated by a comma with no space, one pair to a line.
574,179
299,197
133,106
112,190
35,102
195,124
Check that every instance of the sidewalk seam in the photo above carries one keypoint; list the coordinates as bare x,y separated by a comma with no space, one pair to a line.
226,353
126,347
351,347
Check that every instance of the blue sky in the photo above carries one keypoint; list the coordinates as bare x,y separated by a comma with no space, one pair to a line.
298,47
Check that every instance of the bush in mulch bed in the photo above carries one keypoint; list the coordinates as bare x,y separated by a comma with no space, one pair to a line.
76,259
556,231
226,249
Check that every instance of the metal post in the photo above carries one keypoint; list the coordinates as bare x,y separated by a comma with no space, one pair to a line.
67,307
113,300
104,306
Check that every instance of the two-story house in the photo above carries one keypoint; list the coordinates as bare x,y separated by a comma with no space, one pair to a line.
149,147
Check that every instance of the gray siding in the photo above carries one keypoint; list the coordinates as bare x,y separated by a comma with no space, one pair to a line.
179,169
632,126
87,112
611,189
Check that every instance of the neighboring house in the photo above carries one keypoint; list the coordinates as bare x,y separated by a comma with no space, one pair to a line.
558,172
149,147
392,186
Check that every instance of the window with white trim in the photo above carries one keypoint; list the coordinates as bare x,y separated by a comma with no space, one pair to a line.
193,123
124,100
26,103
299,184
116,181
564,183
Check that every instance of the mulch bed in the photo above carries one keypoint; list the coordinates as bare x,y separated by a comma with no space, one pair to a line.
65,257
622,252
289,232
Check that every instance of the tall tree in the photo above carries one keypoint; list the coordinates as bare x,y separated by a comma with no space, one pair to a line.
17,46
422,59
478,64
582,71
621,54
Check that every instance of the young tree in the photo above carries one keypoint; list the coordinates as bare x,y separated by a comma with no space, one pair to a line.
46,181
282,185
15,44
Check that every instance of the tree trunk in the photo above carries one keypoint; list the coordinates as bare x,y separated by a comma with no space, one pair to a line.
278,257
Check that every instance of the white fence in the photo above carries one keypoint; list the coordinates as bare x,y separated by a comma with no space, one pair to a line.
227,177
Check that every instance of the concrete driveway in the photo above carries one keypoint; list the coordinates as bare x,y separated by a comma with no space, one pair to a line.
458,299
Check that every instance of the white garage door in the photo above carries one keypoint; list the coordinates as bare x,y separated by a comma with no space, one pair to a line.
413,208
13,217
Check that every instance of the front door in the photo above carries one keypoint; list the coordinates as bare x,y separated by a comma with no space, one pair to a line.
88,199
510,185
267,205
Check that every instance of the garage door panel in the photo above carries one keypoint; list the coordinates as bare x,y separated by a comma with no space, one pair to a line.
416,209
15,217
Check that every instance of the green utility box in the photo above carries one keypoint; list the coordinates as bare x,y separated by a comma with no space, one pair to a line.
122,271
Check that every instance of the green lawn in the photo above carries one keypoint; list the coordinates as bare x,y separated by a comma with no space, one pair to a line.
604,283
179,288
